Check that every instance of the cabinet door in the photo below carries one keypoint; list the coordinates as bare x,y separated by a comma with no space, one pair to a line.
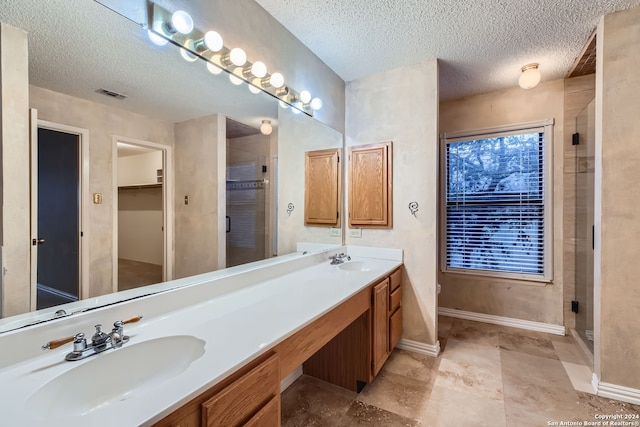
370,186
395,328
322,184
380,328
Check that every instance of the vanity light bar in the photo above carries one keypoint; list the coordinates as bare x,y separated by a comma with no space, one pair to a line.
228,59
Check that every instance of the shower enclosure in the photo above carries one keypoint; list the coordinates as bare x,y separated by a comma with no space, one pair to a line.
584,202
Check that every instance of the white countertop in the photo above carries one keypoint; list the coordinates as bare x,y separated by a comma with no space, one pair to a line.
236,326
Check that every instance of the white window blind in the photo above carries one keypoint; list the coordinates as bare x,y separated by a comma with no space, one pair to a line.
495,203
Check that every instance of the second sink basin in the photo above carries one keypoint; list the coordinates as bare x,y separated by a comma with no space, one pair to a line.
115,375
357,266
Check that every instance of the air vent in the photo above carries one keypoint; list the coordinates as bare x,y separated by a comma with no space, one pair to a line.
111,93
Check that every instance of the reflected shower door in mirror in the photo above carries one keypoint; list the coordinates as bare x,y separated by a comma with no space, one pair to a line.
123,85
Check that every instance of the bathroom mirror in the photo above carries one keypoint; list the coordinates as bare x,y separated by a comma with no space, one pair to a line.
77,48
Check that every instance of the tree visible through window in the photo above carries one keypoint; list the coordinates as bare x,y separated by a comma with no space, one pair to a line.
495,203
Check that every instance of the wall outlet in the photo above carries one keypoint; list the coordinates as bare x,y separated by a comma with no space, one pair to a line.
97,198
355,232
335,232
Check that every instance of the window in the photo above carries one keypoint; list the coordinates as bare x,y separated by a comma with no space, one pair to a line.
497,201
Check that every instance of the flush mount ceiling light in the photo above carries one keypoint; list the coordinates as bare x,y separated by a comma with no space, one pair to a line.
179,28
266,127
530,76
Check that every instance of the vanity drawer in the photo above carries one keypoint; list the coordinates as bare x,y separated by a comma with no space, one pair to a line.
269,415
245,398
396,279
395,299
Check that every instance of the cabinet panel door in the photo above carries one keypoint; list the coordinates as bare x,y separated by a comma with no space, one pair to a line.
380,329
243,398
395,328
268,416
322,184
370,186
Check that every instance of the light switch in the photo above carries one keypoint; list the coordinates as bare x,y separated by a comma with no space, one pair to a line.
97,198
186,200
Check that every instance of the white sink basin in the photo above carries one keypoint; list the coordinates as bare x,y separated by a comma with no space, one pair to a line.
113,376
357,266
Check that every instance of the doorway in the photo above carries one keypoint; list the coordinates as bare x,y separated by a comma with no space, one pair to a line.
142,214
584,204
59,171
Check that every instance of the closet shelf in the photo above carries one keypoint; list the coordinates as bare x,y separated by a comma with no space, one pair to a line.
139,187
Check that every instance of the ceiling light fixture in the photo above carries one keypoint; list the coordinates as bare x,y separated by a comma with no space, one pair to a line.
530,76
178,28
266,127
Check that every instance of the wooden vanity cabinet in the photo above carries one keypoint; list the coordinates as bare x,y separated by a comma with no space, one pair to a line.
249,397
386,328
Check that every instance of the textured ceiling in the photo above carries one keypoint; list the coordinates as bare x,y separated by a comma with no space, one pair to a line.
481,44
79,46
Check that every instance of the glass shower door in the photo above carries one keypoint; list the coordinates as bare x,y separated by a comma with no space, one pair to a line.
585,163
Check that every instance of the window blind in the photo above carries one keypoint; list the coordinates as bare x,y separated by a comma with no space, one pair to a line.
495,204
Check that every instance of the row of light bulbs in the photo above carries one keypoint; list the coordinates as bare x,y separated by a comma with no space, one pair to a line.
179,25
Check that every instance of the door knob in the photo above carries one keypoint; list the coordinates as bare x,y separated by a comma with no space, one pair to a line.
39,241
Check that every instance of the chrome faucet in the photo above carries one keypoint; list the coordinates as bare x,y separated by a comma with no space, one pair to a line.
339,258
100,341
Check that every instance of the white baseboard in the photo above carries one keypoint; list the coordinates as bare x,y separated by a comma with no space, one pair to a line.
418,347
290,379
614,391
504,321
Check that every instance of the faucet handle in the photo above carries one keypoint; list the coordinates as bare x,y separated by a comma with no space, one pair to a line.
51,345
133,319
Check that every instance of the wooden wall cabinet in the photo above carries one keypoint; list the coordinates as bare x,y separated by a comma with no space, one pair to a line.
322,188
371,186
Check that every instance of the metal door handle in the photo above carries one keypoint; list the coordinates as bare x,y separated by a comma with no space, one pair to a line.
39,241
228,224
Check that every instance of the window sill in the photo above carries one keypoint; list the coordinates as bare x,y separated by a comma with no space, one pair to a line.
507,278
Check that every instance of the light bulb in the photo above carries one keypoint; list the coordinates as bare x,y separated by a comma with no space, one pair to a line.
316,103
283,104
266,127
530,76
237,56
296,108
156,39
276,80
213,41
258,69
213,69
187,56
254,89
182,22
235,79
305,96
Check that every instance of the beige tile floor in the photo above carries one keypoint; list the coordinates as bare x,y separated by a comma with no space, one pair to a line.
486,375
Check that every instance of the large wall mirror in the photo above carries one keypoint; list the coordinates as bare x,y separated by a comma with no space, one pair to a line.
170,174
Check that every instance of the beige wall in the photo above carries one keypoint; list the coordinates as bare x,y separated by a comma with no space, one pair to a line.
617,228
578,92
518,299
14,157
103,123
401,105
200,157
297,134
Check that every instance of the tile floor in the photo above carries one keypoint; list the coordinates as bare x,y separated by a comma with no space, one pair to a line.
486,375
133,274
